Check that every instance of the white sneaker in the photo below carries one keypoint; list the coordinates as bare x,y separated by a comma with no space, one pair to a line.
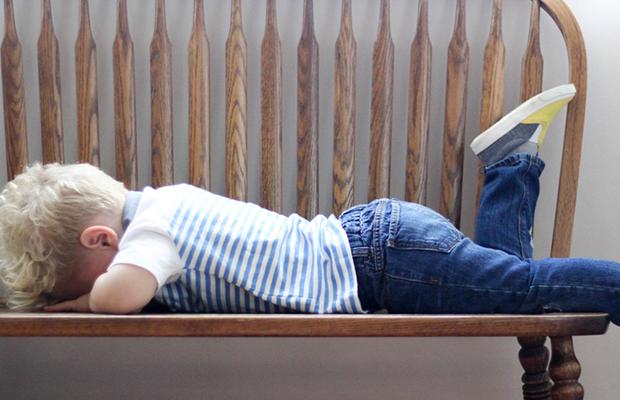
524,128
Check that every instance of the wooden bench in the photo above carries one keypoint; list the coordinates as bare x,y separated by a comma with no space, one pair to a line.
530,330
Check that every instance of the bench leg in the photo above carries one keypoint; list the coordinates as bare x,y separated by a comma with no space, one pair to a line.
534,357
565,370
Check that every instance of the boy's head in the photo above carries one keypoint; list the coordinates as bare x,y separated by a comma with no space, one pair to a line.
45,213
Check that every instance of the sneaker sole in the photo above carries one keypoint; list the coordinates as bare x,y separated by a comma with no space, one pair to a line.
512,119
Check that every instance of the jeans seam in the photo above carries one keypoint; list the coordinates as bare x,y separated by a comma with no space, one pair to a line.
450,285
484,289
522,209
400,278
598,288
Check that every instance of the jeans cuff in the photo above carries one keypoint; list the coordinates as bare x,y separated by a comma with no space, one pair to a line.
517,158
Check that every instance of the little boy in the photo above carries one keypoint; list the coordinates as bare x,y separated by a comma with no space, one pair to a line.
74,239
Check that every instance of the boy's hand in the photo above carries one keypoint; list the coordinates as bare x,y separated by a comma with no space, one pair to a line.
81,304
125,289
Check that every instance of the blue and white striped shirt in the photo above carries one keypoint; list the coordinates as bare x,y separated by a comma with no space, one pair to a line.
239,257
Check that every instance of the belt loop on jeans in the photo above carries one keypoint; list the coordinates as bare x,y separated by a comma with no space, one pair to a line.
393,222
376,235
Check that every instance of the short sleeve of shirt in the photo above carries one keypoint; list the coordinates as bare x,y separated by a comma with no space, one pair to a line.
146,242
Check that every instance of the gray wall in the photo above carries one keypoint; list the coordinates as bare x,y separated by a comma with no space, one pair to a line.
326,368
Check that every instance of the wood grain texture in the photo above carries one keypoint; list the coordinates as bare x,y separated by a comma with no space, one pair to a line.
271,113
86,88
161,101
15,132
381,108
277,325
573,135
492,104
454,125
565,370
534,358
344,113
532,68
308,117
125,102
236,108
48,61
199,102
418,118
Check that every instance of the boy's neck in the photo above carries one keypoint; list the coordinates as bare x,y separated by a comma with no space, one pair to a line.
130,206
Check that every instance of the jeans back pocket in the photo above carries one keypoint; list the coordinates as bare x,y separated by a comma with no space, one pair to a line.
415,227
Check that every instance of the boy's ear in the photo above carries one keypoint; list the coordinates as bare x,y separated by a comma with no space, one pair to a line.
99,236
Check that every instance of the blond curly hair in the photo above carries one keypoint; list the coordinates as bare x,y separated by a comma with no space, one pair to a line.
42,213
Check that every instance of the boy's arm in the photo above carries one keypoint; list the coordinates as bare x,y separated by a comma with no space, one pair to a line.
124,289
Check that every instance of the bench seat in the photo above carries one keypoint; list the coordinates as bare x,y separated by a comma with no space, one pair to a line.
287,325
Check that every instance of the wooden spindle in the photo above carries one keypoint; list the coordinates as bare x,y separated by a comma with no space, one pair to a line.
381,108
534,358
125,102
565,370
16,134
344,114
308,117
86,87
532,68
419,109
456,108
199,101
493,72
236,107
492,107
49,89
161,101
271,107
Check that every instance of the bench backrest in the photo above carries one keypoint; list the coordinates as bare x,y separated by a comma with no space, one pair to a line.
271,108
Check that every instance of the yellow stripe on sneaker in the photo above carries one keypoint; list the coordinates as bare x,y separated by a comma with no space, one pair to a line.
545,116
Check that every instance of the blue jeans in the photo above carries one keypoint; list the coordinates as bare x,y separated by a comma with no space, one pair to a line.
409,259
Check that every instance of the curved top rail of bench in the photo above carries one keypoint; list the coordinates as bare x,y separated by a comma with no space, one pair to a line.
573,135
